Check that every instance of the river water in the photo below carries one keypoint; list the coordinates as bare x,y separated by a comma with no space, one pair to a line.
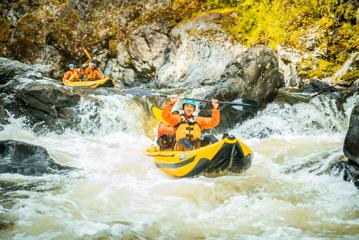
120,194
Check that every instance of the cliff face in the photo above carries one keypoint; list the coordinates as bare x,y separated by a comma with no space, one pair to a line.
135,39
56,32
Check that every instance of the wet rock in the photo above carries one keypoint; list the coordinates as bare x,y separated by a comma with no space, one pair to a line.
349,169
349,73
351,142
317,86
292,96
6,225
149,47
56,32
200,53
3,113
44,101
27,159
355,86
253,76
288,60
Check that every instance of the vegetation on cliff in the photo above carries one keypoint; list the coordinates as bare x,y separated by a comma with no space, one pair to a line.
325,30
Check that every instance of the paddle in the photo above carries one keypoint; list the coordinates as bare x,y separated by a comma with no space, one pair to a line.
238,104
89,59
323,90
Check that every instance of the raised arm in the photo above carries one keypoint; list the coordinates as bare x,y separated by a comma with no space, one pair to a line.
213,121
171,119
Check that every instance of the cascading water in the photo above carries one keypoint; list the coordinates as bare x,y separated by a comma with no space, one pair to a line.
118,192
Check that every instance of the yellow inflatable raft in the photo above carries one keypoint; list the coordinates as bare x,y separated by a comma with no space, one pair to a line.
230,154
105,82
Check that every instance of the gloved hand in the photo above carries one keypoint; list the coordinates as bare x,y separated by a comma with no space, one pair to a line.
215,103
174,98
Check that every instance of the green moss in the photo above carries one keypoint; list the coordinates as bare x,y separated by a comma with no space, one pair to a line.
112,48
349,78
323,69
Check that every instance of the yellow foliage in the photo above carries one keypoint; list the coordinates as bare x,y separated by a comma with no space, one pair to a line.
285,22
324,69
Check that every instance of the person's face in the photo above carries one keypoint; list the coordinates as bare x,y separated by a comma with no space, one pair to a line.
72,69
188,109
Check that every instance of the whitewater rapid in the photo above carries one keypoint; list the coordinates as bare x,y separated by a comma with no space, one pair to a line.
119,193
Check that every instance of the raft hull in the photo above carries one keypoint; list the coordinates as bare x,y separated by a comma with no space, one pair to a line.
228,155
105,82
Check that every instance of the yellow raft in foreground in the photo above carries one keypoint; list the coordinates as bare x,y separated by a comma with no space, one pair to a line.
230,154
105,82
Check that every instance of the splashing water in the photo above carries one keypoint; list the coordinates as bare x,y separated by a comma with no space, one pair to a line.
198,62
119,193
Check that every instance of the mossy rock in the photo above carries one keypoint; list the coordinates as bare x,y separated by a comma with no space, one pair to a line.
32,28
4,30
112,48
349,78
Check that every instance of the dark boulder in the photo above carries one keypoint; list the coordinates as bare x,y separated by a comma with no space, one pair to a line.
27,159
253,76
316,86
351,142
148,48
350,168
3,113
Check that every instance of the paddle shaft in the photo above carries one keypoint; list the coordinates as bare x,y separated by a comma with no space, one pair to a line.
323,90
199,100
141,92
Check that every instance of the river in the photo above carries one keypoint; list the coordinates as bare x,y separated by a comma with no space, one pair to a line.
120,194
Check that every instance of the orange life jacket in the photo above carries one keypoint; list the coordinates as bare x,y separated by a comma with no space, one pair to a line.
93,74
71,75
188,128
164,129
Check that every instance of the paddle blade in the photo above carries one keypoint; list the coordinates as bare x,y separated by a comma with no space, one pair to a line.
244,105
158,114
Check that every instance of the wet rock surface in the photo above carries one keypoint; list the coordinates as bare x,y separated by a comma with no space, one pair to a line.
28,92
27,159
254,76
350,168
56,32
317,86
351,142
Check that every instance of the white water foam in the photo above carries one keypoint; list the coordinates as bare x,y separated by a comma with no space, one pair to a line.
119,193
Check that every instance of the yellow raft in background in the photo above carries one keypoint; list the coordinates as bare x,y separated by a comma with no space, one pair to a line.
105,82
230,155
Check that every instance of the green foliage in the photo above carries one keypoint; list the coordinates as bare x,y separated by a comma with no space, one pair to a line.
285,22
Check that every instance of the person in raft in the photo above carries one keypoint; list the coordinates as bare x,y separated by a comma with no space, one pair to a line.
166,135
73,74
188,126
92,72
